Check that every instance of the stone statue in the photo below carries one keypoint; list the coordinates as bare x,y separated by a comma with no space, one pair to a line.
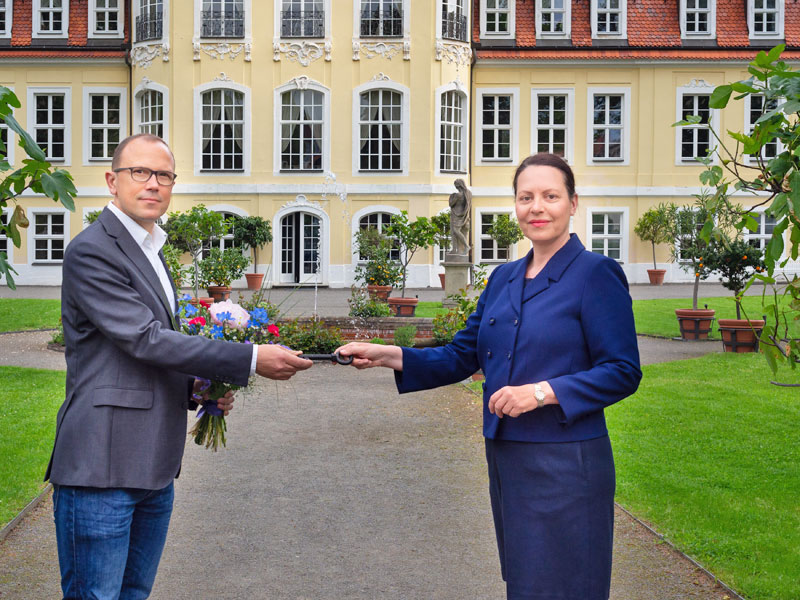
460,212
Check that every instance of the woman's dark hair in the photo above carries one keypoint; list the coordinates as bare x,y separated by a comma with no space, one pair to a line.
544,159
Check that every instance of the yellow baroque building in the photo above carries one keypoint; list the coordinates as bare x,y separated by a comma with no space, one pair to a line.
325,116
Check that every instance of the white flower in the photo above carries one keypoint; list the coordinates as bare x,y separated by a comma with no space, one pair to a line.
237,317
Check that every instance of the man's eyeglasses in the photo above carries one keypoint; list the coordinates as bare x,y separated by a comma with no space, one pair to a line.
143,174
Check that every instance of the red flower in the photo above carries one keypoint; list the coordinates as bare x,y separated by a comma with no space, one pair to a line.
204,303
198,321
273,329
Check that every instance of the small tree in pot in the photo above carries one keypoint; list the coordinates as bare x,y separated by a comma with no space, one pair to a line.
252,232
656,226
410,236
505,232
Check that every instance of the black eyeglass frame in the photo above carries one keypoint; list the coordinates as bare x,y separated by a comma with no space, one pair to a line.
172,176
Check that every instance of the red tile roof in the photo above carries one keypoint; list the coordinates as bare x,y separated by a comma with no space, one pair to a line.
525,27
78,22
732,23
22,28
581,26
21,24
666,54
66,52
653,23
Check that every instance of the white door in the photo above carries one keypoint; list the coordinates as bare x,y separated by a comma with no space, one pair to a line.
300,249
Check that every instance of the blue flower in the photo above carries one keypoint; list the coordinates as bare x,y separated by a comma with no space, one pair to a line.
224,316
190,310
185,298
217,332
259,317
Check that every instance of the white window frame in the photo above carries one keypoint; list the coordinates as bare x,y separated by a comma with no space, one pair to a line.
514,139
137,12
405,127
624,235
763,238
88,92
712,22
278,7
226,241
550,35
246,127
701,88
149,86
779,21
466,7
12,140
294,84
355,225
198,23
32,237
31,116
569,136
512,19
458,88
93,33
625,158
478,236
9,13
6,212
748,129
440,252
623,22
406,4
37,25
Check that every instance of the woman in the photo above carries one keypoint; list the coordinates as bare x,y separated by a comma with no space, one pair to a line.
554,335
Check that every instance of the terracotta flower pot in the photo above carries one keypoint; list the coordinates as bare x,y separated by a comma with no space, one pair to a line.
441,279
403,307
379,292
219,292
656,276
740,335
254,280
694,324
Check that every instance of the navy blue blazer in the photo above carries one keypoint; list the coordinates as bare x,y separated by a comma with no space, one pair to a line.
572,325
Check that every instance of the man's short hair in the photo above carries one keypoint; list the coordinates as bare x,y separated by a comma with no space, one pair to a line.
149,137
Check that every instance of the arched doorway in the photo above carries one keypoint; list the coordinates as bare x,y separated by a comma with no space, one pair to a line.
301,247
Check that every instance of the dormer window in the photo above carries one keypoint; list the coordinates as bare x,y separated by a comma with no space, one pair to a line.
765,19
609,19
552,18
698,19
497,19
50,18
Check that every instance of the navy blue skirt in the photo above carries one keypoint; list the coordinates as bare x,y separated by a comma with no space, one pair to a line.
553,507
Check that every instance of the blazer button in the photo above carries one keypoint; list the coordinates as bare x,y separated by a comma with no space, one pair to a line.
508,355
516,322
491,321
489,354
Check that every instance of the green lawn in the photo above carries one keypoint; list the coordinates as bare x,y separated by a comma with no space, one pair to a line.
429,309
17,314
27,424
707,451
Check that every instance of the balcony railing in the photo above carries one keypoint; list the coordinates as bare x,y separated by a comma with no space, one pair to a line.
149,26
302,23
382,23
454,27
228,23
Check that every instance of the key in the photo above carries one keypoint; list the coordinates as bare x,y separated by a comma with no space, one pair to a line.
328,357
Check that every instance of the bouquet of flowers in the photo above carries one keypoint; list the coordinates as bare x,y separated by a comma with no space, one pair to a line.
221,321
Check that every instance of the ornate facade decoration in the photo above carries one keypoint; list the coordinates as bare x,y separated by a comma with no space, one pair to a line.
302,52
453,53
222,50
698,83
385,50
223,77
301,201
380,77
301,83
144,55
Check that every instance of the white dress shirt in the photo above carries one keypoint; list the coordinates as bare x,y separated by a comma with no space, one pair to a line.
151,244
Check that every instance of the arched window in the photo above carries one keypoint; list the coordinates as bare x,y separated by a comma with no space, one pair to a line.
224,242
379,221
151,112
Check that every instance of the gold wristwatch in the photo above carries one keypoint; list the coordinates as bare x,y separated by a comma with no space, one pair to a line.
538,393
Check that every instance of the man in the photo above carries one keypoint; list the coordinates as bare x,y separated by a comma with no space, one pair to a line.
121,431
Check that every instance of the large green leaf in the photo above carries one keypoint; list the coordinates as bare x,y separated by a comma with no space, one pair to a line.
720,96
6,270
59,187
25,140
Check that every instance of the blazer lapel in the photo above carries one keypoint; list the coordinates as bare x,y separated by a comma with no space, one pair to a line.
516,282
132,250
554,268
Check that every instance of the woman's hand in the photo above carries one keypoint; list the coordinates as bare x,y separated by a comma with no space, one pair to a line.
373,355
513,400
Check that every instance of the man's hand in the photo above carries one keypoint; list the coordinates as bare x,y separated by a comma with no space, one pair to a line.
276,362
200,393
373,355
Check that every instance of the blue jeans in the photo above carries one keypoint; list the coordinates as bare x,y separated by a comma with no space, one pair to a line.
110,540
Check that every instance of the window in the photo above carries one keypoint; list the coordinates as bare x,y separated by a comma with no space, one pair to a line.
50,17
222,19
8,153
105,123
149,21
48,110
454,21
6,11
105,18
489,250
222,130
552,122
497,18
451,131
3,237
224,242
151,112
553,18
496,116
381,18
690,222
379,221
693,141
756,105
606,234
765,18
49,236
698,18
302,18
760,238
380,127
609,18
301,130
608,132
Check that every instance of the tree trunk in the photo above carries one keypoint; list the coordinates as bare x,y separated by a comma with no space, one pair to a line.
654,255
695,291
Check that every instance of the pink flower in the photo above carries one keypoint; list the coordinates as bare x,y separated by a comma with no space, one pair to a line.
273,329
236,316
198,321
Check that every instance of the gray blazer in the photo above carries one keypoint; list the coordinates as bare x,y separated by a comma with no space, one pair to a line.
129,373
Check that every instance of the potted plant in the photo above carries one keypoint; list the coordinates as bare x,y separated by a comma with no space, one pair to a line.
736,261
505,232
442,239
655,226
252,232
172,256
410,236
218,269
379,272
188,231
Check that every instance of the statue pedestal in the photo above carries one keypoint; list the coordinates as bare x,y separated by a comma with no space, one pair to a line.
456,277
